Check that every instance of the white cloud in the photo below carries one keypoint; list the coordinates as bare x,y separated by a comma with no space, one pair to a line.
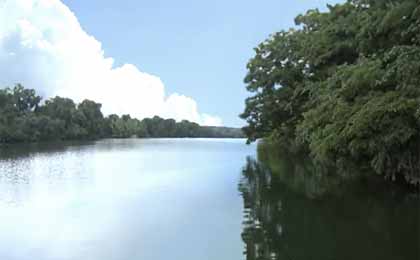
43,46
186,107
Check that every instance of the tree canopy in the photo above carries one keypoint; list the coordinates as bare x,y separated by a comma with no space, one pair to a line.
23,118
343,86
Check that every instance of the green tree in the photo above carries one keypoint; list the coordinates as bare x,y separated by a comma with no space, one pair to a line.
91,118
344,87
65,109
24,119
25,100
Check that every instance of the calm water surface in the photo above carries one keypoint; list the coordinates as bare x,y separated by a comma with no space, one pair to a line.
188,199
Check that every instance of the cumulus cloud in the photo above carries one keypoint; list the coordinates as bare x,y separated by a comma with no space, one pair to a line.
43,46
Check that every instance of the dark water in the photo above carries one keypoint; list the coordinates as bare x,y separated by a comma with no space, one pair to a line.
292,211
190,199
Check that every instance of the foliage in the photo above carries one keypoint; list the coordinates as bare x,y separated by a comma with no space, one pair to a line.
343,87
24,119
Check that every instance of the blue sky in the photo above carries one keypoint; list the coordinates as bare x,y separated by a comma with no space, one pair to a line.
196,50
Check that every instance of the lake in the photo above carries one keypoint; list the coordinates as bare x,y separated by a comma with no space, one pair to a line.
187,199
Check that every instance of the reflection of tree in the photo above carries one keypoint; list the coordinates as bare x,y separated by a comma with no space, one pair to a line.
261,212
282,223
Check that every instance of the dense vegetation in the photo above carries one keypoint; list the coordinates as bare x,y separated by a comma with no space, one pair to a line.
344,87
24,119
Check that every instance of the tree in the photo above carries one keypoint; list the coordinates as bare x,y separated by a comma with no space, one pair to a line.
343,87
91,118
65,109
25,100
24,119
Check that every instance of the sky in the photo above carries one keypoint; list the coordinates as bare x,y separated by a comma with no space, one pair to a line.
183,59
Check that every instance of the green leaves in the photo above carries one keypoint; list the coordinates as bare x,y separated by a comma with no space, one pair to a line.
350,87
23,119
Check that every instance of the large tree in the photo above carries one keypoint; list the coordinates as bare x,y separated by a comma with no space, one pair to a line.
343,86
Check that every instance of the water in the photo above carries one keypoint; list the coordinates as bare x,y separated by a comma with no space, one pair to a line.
293,212
122,199
179,199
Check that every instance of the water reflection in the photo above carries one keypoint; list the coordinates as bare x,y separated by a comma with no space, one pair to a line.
288,216
122,200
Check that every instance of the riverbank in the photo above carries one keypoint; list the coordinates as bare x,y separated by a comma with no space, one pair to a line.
300,172
25,118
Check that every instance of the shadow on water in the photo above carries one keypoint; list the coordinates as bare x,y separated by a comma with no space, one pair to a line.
292,212
14,151
24,150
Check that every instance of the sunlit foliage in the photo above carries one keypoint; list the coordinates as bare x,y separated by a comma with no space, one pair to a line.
344,87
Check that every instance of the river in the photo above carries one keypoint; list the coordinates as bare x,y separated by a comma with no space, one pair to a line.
189,199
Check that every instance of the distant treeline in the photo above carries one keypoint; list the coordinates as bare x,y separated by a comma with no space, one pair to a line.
24,119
